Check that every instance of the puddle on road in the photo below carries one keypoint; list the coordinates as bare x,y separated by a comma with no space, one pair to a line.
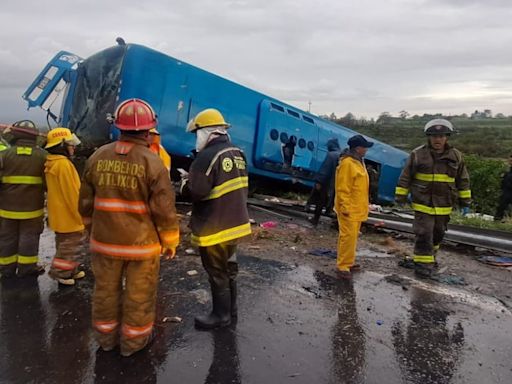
295,325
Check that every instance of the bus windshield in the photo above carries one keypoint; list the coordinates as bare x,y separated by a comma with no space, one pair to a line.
96,89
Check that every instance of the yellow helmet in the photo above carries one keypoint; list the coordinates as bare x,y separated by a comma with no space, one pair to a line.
207,118
61,135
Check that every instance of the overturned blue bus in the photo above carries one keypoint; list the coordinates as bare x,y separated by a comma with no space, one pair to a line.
280,141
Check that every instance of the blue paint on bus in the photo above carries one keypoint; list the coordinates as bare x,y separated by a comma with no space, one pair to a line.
280,141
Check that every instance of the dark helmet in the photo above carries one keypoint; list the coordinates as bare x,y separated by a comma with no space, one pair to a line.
438,127
23,129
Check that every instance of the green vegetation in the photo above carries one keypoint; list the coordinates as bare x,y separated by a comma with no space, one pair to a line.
481,223
487,137
485,176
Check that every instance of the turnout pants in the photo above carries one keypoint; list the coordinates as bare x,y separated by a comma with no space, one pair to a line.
220,263
69,248
124,313
429,231
19,245
347,242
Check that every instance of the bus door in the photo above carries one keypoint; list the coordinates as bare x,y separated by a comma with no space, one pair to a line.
52,81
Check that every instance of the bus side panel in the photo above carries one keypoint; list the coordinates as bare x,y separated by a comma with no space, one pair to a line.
284,140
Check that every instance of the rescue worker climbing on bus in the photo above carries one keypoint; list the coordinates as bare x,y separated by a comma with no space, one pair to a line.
324,184
21,200
157,148
437,179
288,150
351,202
506,193
128,201
217,184
63,185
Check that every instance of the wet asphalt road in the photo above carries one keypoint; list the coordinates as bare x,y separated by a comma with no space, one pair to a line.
296,325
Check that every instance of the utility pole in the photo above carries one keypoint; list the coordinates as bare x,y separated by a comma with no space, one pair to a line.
309,106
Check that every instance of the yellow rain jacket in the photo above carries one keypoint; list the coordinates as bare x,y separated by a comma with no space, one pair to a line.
352,185
63,186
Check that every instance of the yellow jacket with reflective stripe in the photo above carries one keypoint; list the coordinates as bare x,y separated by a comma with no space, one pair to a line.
63,186
218,186
352,189
437,182
127,194
22,181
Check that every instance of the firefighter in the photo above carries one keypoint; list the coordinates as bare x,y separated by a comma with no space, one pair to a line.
21,201
351,202
217,185
506,193
63,186
156,147
126,196
437,178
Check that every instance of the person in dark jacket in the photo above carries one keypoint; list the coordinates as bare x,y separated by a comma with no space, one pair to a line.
325,180
218,186
506,193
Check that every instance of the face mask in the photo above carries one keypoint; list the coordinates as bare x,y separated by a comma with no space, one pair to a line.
202,136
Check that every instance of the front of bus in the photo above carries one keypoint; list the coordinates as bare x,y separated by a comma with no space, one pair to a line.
87,90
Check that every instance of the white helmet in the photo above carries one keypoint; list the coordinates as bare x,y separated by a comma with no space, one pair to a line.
438,127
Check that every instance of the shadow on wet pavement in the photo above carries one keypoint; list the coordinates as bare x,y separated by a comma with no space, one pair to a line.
295,325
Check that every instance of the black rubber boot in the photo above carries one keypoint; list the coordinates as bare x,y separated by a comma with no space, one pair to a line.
220,315
423,270
234,305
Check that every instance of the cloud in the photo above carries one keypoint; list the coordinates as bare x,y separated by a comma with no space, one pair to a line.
364,56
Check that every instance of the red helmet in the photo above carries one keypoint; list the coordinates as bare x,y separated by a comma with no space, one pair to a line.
134,115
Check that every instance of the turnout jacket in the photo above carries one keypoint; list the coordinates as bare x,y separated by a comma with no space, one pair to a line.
218,187
436,181
126,194
63,186
352,185
22,181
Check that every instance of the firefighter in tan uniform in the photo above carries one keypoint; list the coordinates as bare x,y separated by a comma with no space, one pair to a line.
217,185
127,197
437,179
21,201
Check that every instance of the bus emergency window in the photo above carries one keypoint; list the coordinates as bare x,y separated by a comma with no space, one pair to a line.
294,114
276,107
308,119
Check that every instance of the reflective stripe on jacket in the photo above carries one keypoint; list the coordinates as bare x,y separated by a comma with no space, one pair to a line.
127,193
218,186
352,188
436,181
63,186
21,181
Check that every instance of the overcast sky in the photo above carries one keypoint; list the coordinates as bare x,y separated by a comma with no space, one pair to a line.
359,56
